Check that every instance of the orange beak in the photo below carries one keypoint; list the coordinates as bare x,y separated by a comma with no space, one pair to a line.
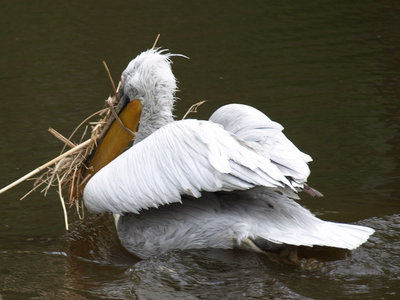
114,142
117,138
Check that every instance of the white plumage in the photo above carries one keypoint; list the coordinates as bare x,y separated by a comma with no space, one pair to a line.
197,184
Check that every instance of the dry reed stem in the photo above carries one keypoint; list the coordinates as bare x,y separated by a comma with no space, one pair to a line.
114,113
61,137
110,77
155,42
71,191
32,190
193,108
62,202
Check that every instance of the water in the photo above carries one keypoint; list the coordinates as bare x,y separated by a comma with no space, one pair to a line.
327,70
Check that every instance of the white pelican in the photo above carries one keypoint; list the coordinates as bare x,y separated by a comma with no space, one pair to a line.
223,183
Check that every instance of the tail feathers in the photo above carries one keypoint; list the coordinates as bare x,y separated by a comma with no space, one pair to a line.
274,217
328,234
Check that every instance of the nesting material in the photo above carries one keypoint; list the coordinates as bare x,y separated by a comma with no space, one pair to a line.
70,171
71,167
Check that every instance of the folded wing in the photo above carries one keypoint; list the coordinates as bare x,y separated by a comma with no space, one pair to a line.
265,135
181,158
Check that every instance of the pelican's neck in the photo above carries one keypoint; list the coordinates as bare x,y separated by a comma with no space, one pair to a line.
156,112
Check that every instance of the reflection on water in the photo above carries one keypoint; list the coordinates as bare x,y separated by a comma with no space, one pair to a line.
327,70
95,265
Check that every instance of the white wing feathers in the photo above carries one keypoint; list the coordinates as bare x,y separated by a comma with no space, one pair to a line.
183,157
256,129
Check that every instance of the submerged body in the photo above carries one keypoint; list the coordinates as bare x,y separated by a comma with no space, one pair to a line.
223,183
265,218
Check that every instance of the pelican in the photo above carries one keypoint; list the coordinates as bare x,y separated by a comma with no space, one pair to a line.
227,182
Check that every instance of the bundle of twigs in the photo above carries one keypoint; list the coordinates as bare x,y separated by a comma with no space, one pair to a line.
70,167
71,171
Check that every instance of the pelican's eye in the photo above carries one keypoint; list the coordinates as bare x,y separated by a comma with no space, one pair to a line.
131,91
134,91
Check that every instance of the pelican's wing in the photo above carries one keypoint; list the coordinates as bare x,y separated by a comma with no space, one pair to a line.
183,157
266,136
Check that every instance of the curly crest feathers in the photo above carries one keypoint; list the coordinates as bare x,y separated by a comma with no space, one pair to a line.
149,78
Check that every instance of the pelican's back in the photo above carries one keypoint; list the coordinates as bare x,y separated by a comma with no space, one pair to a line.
265,135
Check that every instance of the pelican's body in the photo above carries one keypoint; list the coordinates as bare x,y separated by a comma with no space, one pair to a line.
223,183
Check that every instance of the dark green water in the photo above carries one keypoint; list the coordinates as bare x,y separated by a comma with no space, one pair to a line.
329,71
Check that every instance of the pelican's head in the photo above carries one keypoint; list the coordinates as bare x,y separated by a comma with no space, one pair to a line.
148,80
149,77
